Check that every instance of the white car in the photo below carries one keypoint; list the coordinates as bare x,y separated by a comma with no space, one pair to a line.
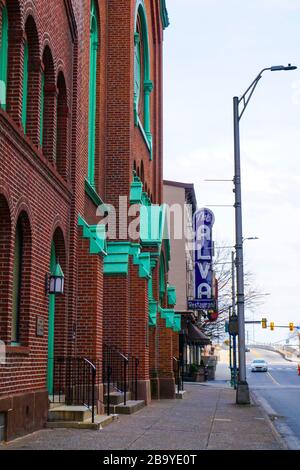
259,365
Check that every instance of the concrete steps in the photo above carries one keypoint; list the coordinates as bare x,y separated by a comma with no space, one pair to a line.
132,406
117,398
68,413
100,422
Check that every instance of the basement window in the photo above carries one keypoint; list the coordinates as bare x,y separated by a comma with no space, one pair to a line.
2,426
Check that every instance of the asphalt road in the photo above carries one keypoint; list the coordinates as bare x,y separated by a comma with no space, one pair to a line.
278,391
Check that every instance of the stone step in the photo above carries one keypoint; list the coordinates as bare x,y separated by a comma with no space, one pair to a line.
69,413
56,400
56,405
100,422
132,406
111,388
117,398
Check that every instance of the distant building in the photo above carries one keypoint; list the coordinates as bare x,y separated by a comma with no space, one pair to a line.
181,274
182,194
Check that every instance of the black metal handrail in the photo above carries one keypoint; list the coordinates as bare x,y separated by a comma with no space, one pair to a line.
120,373
177,374
74,382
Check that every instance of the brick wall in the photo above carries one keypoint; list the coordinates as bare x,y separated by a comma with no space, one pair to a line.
44,185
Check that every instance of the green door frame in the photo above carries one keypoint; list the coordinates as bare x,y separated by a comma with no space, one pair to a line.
51,321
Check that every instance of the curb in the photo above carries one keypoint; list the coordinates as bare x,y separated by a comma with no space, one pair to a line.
273,429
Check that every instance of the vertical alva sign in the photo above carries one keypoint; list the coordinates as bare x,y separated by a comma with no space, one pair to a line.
203,261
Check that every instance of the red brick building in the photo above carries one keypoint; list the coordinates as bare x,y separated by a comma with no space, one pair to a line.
81,123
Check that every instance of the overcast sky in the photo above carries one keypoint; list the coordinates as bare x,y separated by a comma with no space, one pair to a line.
213,50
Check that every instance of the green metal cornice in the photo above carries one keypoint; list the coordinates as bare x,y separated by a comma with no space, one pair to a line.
168,315
94,196
143,261
177,323
171,291
152,312
117,259
96,234
136,190
164,14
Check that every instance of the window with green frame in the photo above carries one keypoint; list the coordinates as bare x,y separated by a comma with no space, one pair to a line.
143,84
162,284
94,45
42,108
17,280
3,58
25,86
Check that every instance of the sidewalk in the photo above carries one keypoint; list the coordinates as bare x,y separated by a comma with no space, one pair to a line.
207,418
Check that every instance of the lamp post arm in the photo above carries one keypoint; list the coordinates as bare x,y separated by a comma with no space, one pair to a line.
245,98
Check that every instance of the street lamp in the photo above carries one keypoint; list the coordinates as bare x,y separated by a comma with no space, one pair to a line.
242,395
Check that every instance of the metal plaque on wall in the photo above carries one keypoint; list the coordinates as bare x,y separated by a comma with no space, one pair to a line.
40,324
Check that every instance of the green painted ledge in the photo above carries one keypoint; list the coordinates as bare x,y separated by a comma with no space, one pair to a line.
168,315
153,313
143,261
177,323
171,290
96,234
136,190
93,195
164,14
117,259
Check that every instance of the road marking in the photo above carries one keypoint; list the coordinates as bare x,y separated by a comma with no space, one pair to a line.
222,419
273,380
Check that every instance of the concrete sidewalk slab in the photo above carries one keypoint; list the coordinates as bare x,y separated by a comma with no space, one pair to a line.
207,418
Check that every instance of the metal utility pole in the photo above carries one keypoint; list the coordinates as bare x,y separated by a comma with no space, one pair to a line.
233,283
242,396
234,359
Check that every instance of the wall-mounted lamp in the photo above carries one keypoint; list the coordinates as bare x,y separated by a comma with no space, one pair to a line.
55,281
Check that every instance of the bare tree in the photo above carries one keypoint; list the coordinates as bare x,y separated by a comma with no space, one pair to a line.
223,270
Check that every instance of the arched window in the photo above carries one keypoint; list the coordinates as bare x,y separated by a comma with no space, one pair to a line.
62,127
21,281
94,44
48,107
143,84
31,81
3,57
17,282
57,318
25,86
51,324
5,253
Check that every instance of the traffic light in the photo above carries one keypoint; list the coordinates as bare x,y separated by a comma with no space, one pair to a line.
264,322
291,326
272,325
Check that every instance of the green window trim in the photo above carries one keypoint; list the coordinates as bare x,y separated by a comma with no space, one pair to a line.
25,86
164,14
145,126
162,285
137,71
17,280
42,108
3,58
94,44
51,326
94,196
171,292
